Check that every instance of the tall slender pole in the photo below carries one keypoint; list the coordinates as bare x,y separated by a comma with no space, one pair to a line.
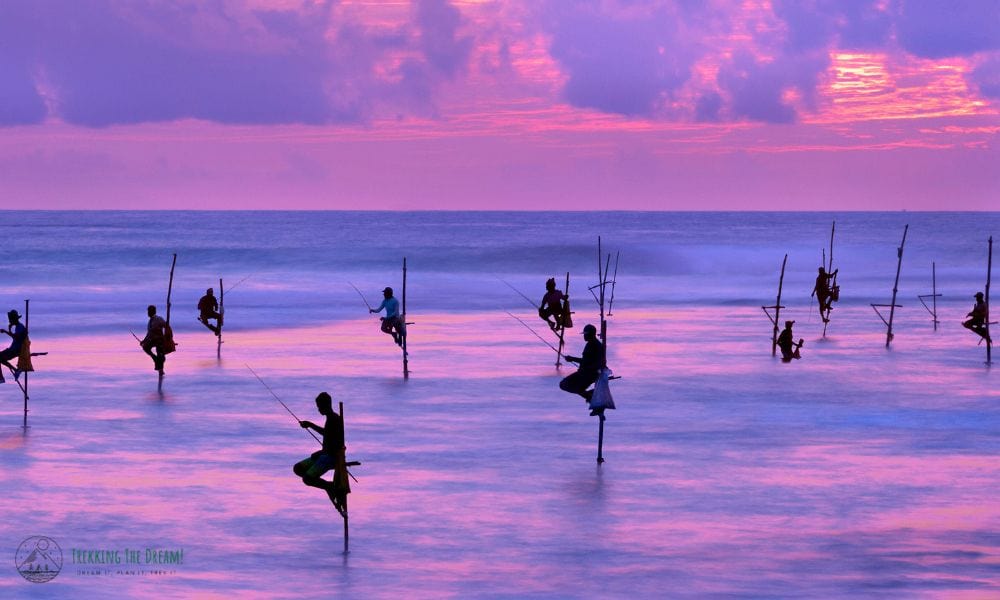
934,292
600,441
602,275
604,284
989,274
562,324
170,289
222,312
406,360
777,309
829,268
170,286
344,501
26,330
895,287
600,282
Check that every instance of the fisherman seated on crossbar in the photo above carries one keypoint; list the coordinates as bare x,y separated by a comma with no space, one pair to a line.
825,292
208,308
979,314
590,365
392,323
18,333
156,338
332,456
551,308
789,347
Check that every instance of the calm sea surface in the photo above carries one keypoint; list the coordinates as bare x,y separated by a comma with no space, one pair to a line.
858,471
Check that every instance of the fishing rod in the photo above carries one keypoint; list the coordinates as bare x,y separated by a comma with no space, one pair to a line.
298,420
544,341
232,287
614,281
530,301
349,464
363,299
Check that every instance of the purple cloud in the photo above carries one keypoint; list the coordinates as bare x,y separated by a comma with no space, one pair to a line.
20,102
987,77
615,63
941,29
820,24
438,22
109,63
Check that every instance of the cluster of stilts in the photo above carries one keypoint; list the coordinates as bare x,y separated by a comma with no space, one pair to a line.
556,312
978,324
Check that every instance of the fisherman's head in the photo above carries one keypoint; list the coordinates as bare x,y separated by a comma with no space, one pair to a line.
13,316
589,332
210,292
788,324
151,310
387,292
822,271
550,284
979,296
324,403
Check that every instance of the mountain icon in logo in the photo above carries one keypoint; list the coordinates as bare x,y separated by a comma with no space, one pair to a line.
38,559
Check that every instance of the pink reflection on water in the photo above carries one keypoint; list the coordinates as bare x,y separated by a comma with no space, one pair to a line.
728,472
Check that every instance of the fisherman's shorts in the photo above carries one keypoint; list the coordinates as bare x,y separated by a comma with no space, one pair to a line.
578,382
314,466
390,323
8,354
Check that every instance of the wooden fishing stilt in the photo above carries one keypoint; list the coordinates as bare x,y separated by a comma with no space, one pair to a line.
170,286
560,330
989,274
777,310
833,229
170,289
933,296
934,292
601,297
344,501
895,290
562,325
406,328
222,312
24,388
600,440
833,282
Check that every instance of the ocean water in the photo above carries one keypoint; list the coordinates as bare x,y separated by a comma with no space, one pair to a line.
858,471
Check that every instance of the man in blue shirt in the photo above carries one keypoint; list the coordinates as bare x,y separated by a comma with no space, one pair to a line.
392,323
19,333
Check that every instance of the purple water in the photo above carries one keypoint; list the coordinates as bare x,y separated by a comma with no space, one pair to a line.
855,472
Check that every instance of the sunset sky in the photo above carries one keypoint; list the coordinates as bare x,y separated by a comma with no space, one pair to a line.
508,104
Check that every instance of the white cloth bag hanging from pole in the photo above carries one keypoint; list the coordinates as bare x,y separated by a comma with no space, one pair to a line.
602,392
